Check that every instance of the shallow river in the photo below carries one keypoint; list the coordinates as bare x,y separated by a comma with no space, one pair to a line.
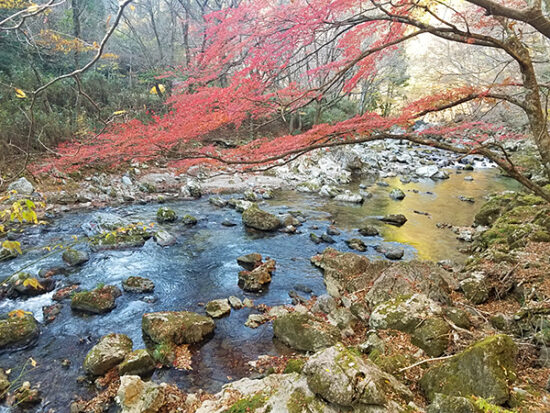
202,266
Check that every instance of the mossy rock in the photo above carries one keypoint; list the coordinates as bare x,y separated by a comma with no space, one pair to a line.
74,257
176,327
485,369
98,301
18,329
432,336
248,404
107,353
189,220
256,218
138,285
132,237
138,362
294,366
165,215
304,332
451,404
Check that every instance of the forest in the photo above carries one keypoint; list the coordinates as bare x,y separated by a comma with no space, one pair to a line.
275,206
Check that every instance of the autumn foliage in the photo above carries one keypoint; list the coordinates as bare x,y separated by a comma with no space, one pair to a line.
260,62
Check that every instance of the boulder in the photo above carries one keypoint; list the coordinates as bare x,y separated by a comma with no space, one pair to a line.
176,327
304,332
407,278
136,284
451,404
356,244
166,215
484,369
432,336
218,308
349,196
98,301
403,313
189,220
250,261
217,201
75,257
256,218
22,186
137,396
24,284
397,194
475,288
138,363
394,219
258,278
368,230
340,376
235,302
426,171
256,320
107,353
164,238
18,329
391,252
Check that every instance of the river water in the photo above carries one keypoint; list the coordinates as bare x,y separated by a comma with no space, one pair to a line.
202,266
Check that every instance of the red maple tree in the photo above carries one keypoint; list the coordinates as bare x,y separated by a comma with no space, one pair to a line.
261,62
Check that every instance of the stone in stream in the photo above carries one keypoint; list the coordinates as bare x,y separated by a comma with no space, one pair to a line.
427,171
466,199
136,284
176,327
189,220
356,244
440,175
349,196
256,320
18,329
98,301
217,201
290,220
166,215
26,396
24,284
138,363
235,302
50,312
484,369
164,238
391,252
250,261
218,308
397,194
227,223
256,218
368,230
394,219
475,288
256,279
332,230
74,257
137,396
109,352
304,332
315,238
327,238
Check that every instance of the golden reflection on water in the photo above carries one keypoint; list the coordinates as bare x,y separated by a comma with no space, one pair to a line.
440,199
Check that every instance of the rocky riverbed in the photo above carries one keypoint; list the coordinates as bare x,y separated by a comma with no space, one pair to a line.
286,282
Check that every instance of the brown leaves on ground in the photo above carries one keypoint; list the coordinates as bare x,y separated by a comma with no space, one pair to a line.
182,360
111,382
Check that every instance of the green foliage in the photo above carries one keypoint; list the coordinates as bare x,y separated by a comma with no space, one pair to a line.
487,407
248,405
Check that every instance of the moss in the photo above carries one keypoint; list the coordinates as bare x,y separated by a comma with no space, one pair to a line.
189,220
294,366
250,404
391,364
17,330
298,402
166,215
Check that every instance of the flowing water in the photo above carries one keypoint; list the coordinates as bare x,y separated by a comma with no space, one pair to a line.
202,266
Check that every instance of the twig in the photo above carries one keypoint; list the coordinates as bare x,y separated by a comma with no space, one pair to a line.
424,361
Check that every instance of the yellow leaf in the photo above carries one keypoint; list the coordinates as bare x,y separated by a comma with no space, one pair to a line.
119,112
75,237
33,361
12,246
32,282
20,94
154,91
132,7
18,313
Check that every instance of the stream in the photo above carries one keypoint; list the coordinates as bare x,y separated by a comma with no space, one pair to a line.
202,266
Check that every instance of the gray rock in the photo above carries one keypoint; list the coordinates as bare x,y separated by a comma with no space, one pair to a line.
126,180
164,238
235,302
98,301
348,196
426,171
368,230
256,320
440,175
394,219
75,257
258,278
218,308
217,201
137,396
397,194
166,215
175,327
451,404
356,244
138,285
22,186
256,218
107,353
250,261
339,376
304,332
138,363
475,288
324,304
390,251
